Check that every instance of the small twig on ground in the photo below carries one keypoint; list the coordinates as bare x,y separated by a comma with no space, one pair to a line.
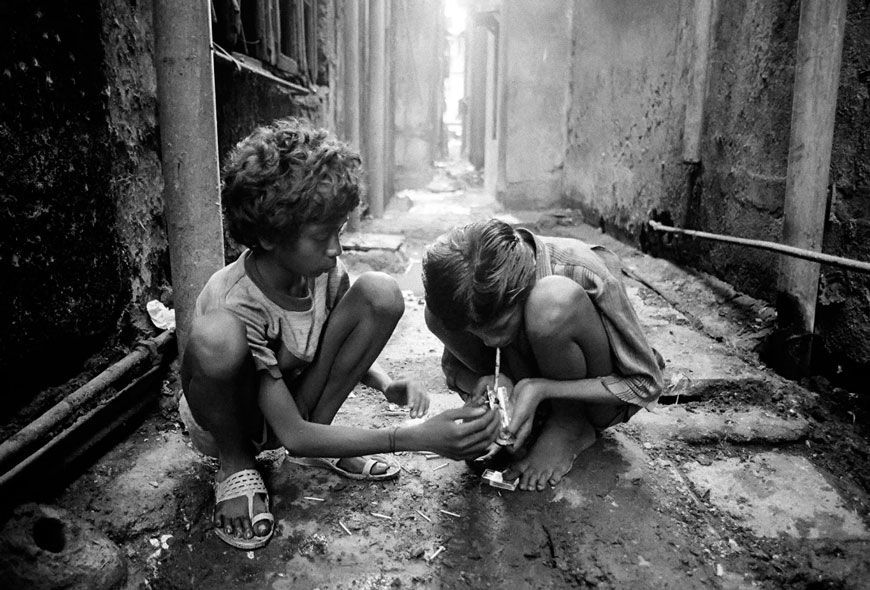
384,516
440,466
314,499
436,554
450,513
341,524
424,516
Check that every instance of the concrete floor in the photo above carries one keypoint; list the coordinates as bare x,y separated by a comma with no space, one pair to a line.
732,483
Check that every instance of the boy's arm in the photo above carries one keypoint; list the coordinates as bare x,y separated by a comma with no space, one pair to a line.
401,391
376,378
537,389
528,393
457,434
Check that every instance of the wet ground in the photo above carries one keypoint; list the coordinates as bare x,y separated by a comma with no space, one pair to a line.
740,479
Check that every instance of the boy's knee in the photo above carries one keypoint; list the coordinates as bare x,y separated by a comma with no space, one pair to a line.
218,343
554,303
382,294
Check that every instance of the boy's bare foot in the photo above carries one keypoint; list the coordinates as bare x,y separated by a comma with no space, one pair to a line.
231,515
552,454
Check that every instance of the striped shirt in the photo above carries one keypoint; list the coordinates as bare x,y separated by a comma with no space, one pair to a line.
637,378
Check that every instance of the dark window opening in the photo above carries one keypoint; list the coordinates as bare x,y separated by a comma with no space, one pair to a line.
280,34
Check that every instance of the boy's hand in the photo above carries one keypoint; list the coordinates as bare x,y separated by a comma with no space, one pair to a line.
460,433
478,394
406,392
524,399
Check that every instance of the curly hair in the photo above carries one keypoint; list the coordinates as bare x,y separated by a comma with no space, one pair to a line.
284,175
475,273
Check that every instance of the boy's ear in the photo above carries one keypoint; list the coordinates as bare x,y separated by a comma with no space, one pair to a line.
266,244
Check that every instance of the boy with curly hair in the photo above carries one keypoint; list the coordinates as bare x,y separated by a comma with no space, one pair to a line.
280,336
573,357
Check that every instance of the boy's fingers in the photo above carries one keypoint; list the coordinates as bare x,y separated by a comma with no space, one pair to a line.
483,430
482,419
464,413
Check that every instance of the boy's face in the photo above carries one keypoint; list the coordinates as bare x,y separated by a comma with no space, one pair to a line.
502,330
315,251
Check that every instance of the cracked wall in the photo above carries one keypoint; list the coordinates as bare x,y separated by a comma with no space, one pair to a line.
630,79
536,40
629,87
83,244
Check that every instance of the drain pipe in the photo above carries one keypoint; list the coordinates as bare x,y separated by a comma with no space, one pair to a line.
188,139
810,255
351,104
146,355
816,80
376,99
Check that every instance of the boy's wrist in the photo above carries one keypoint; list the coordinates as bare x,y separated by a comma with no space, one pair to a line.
399,440
377,380
537,389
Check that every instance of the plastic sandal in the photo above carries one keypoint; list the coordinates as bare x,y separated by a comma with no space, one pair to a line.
247,483
392,471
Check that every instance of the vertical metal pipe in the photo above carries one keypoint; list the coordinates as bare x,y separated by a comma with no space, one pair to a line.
491,175
390,102
352,69
375,160
188,139
817,77
475,94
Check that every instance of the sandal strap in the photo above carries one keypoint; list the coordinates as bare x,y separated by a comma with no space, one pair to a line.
261,517
367,468
370,464
246,482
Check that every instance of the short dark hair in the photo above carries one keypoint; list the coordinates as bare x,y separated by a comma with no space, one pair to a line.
474,273
285,175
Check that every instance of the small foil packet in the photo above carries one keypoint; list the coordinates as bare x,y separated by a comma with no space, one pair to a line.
496,480
498,400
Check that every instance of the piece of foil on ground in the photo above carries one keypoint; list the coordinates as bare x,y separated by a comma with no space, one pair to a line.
496,480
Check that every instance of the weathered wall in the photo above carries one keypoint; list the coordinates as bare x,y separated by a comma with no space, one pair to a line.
419,66
82,238
740,188
630,82
134,177
629,86
536,39
740,185
73,263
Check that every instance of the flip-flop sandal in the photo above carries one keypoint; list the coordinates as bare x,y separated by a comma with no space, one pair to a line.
247,483
392,471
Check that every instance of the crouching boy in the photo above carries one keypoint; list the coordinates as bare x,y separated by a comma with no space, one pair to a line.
573,358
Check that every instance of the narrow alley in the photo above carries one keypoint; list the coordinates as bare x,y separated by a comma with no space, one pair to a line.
718,149
740,479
